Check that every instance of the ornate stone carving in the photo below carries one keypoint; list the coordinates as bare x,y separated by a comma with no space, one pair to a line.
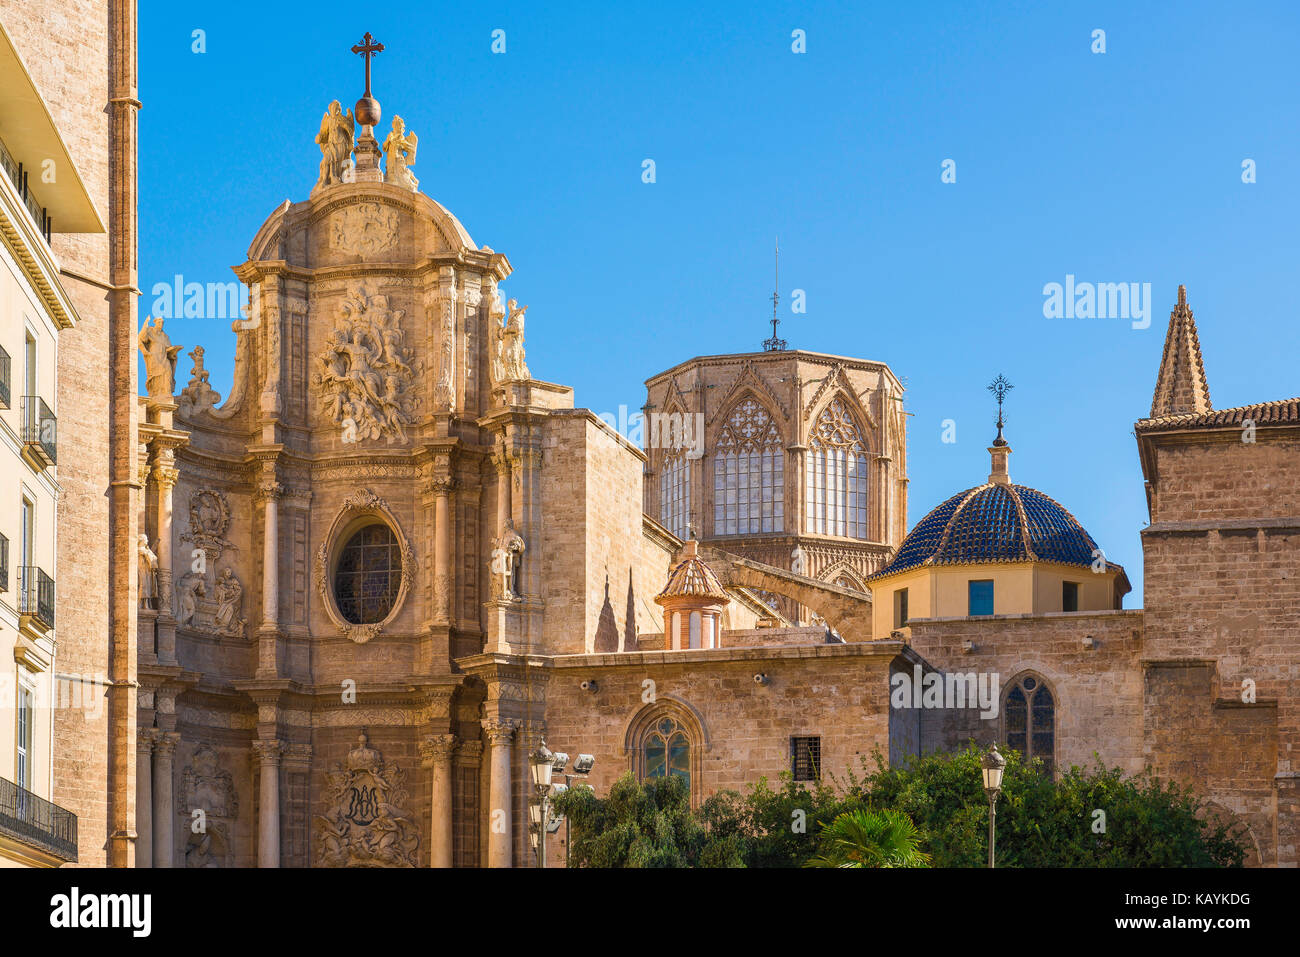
364,376
499,731
443,303
206,787
243,330
148,572
399,149
229,594
437,748
363,229
159,360
363,502
335,141
270,397
198,396
366,823
209,519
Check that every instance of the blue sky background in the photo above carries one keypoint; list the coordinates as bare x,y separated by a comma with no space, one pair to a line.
1115,167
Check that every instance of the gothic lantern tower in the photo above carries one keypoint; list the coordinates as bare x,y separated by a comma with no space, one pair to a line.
693,602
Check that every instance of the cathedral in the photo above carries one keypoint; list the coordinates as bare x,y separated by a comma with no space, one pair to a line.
392,561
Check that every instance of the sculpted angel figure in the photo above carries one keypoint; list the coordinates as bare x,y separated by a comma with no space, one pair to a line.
159,359
399,149
335,141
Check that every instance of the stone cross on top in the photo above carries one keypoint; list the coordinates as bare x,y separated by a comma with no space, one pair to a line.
368,48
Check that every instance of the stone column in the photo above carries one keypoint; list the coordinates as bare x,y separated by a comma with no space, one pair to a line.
268,812
163,750
501,459
269,633
500,735
144,798
442,550
437,750
165,477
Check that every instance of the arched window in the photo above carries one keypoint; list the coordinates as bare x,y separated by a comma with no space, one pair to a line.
837,476
748,474
665,750
675,492
1029,719
368,575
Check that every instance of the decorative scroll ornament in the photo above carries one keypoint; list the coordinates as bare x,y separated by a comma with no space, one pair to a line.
366,823
364,376
206,787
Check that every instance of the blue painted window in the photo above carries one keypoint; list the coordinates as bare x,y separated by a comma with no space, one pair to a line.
981,598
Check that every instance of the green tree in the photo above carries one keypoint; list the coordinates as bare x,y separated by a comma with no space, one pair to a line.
637,825
862,838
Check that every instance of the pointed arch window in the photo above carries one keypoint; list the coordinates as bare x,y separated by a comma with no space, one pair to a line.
675,492
837,476
748,473
1029,716
666,750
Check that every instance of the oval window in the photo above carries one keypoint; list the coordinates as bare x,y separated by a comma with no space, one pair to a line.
368,574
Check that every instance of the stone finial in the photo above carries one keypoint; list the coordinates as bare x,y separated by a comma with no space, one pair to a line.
692,600
1181,387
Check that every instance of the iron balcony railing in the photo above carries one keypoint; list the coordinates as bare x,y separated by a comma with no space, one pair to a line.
4,563
36,822
19,176
36,595
40,429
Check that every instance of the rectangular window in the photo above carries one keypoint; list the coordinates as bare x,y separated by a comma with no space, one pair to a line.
980,596
806,758
1069,596
23,764
900,608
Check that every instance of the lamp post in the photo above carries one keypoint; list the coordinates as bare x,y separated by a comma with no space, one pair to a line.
992,764
544,765
543,762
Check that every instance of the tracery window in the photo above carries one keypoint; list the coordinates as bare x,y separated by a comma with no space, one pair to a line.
665,750
1029,716
837,475
675,492
748,474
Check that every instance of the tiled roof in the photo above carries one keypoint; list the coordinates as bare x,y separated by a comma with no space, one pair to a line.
1281,411
692,578
994,523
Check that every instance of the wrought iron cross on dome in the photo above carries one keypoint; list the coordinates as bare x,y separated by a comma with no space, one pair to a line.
367,108
1000,387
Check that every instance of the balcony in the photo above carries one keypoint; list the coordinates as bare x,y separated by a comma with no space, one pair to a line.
39,431
4,563
37,823
21,177
36,596
4,378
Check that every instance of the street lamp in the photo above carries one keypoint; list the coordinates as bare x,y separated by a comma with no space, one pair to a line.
543,765
992,764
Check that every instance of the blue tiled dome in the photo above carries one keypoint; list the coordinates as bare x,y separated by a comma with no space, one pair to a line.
994,523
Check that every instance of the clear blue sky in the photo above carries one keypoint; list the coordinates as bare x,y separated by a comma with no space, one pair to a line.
1115,167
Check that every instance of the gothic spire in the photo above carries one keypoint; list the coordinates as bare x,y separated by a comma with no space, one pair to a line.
1181,387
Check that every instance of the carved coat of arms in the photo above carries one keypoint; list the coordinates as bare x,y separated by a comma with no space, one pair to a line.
364,229
366,823
207,788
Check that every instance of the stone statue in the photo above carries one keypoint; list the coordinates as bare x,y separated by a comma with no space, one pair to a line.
399,148
229,595
335,141
206,786
148,565
187,596
799,561
159,360
199,395
507,557
509,347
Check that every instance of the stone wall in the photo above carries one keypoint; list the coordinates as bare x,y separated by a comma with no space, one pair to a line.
1098,689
